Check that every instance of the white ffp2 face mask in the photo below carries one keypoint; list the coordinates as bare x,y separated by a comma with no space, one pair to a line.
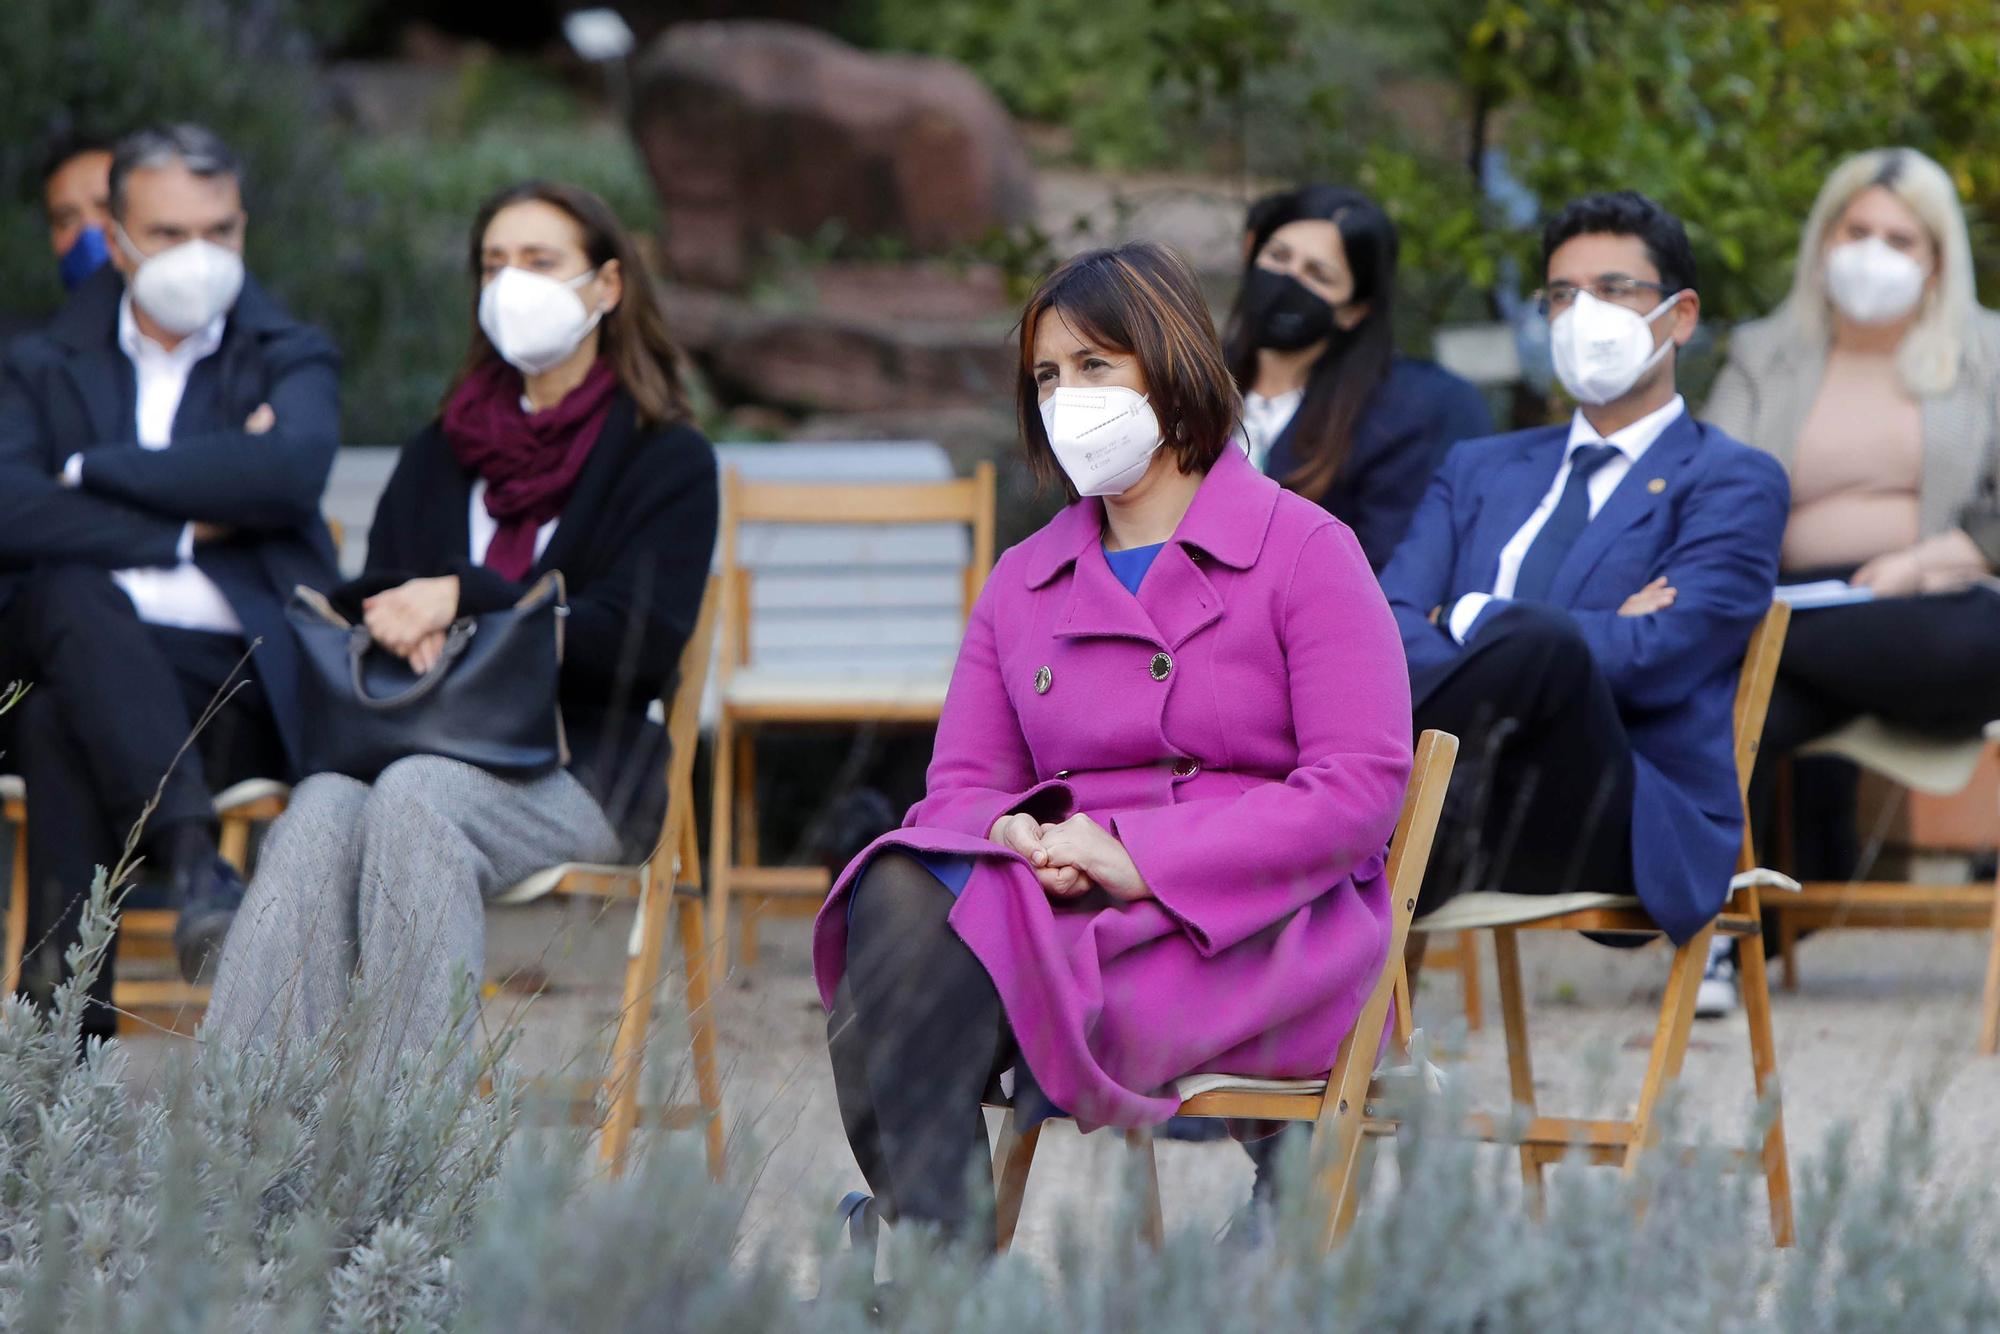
1872,282
1602,349
535,321
1102,438
184,287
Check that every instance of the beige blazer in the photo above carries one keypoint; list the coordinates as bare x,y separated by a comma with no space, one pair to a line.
1768,386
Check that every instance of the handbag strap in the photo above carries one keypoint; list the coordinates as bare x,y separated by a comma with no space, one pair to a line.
359,642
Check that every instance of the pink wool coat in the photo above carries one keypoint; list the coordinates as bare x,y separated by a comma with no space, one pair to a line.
1243,726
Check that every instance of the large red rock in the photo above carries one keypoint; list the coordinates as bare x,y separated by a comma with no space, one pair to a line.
754,129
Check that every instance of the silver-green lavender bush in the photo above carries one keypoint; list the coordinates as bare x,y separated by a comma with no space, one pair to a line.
251,1193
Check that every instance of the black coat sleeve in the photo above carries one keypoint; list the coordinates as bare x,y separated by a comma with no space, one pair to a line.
267,481
41,520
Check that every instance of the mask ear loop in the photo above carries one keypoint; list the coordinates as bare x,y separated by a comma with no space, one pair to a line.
1660,352
128,245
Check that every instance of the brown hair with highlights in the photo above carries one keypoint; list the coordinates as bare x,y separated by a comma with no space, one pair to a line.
633,337
1140,299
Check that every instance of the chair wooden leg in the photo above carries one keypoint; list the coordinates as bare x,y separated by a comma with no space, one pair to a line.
1670,1039
234,844
635,1019
701,1026
749,837
1012,1160
1520,1065
1755,978
1788,949
1338,1144
1468,973
1989,1005
721,838
1152,1223
1406,1016
17,911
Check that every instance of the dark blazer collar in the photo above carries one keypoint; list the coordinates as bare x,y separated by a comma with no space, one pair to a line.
1228,520
89,320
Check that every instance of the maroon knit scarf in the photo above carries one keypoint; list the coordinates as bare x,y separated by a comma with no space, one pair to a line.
530,461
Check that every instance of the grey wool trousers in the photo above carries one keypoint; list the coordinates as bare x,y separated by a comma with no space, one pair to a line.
380,890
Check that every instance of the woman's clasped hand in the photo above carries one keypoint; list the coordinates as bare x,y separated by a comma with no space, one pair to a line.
410,619
1073,857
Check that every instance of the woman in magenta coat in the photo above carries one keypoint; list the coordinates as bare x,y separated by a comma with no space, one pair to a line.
1169,764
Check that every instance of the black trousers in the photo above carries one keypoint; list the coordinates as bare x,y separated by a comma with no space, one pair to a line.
917,1037
112,702
1927,663
1541,799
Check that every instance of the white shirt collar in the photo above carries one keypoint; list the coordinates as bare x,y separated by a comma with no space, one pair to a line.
189,350
1631,441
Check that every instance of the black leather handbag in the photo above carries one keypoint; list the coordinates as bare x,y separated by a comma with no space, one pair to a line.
490,699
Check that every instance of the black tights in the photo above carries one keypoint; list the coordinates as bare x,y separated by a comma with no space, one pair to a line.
917,1036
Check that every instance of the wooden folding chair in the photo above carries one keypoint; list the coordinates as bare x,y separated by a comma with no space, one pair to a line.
145,935
1918,763
1548,1139
670,877
750,699
1336,1102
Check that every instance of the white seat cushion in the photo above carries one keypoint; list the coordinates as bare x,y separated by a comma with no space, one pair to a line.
1190,1085
247,791
1484,910
769,687
541,883
1924,763
1765,878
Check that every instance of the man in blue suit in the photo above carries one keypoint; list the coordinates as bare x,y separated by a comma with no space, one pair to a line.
1575,600
163,445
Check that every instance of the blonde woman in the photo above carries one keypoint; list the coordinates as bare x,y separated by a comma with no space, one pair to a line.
1877,384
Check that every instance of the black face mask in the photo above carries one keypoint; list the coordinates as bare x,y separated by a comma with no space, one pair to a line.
1281,314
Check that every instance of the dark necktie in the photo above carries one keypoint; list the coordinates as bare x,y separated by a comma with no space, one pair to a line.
1565,525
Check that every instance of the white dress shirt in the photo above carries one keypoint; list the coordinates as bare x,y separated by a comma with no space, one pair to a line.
176,595
1264,420
484,526
1631,442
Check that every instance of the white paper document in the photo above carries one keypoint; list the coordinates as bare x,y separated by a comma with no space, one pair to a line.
1823,593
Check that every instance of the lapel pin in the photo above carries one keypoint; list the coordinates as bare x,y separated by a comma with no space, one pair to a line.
1044,678
1657,485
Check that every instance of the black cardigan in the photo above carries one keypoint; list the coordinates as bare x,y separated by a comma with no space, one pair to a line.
634,545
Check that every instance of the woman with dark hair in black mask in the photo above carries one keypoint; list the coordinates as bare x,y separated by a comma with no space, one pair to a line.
1329,409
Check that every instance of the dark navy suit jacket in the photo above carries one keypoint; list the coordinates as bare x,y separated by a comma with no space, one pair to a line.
70,389
1416,414
1702,509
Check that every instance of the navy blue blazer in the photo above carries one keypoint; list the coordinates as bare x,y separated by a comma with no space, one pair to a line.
1701,508
1416,414
70,389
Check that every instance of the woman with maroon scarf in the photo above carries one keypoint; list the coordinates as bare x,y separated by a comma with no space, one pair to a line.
565,445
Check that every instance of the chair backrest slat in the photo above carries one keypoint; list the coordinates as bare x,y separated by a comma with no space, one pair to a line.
933,537
684,720
1409,854
1753,689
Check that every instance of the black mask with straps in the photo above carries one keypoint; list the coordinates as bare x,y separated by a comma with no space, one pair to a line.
1281,313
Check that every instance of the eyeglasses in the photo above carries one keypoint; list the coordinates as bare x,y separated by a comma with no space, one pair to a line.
1613,287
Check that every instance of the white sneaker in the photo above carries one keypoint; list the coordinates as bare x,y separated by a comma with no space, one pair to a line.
1718,997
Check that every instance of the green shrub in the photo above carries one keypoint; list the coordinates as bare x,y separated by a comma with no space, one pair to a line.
306,1194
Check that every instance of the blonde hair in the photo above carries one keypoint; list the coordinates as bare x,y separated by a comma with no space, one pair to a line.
1942,337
